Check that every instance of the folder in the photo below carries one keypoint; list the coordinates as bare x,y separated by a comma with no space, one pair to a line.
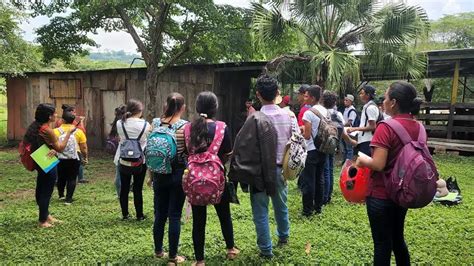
40,156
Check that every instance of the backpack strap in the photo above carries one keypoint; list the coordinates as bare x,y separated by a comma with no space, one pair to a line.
61,131
218,138
141,133
400,130
124,131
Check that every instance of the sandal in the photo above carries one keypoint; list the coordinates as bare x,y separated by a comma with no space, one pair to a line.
162,255
232,253
45,225
176,260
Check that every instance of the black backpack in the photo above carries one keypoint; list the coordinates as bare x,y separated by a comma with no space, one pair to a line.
356,121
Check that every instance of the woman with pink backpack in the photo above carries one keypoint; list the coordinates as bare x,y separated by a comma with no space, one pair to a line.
393,187
208,145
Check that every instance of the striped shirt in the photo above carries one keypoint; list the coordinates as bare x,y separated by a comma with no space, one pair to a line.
283,123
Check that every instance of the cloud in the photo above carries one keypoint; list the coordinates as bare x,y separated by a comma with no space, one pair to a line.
451,7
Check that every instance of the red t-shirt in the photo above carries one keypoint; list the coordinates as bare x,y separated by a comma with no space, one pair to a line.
386,138
301,113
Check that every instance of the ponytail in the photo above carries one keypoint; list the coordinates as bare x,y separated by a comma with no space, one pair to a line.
405,95
416,105
133,107
174,103
206,107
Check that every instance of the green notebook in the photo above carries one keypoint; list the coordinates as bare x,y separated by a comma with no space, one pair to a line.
40,156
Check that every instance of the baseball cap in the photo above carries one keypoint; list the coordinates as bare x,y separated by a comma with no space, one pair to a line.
286,99
370,90
350,97
301,89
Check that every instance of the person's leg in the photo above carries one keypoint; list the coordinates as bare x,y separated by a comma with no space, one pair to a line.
45,187
117,180
280,208
72,179
319,182
326,176
161,200
330,186
138,180
62,174
259,202
125,179
378,211
225,219
306,183
400,249
175,209
199,231
349,151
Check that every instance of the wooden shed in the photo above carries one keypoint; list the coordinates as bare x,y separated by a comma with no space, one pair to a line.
97,93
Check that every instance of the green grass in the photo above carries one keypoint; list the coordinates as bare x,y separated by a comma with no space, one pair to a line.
92,231
3,118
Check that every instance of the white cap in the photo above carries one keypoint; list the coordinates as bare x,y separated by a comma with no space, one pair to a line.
350,97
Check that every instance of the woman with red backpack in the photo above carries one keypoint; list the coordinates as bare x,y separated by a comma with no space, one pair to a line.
167,186
387,218
208,142
38,133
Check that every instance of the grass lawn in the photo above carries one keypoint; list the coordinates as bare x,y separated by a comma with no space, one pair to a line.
92,231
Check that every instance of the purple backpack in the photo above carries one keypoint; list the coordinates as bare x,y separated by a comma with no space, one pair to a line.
412,181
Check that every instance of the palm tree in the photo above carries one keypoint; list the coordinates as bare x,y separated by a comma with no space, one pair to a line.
334,28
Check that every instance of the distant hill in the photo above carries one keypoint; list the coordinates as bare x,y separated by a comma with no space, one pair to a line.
120,56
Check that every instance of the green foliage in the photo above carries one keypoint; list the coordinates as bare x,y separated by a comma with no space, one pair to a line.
16,55
331,28
3,116
454,31
93,233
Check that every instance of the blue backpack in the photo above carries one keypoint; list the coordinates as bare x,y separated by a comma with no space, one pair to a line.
161,146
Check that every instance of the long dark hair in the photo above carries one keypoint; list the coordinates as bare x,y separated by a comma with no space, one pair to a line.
68,108
133,107
206,107
42,114
174,103
68,117
406,96
119,112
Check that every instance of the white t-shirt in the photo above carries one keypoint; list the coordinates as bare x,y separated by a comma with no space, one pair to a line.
309,116
372,115
338,114
133,126
350,115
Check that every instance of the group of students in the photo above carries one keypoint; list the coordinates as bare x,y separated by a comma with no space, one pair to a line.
67,141
256,161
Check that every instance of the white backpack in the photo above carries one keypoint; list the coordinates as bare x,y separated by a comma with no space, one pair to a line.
70,152
294,155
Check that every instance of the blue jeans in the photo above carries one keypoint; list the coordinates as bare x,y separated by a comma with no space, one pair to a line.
387,223
348,151
168,203
259,202
328,178
80,174
117,180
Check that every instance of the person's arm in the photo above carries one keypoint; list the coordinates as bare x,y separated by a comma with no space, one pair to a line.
377,162
372,114
84,151
307,129
59,146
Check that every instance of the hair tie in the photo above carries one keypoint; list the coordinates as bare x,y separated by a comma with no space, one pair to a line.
203,115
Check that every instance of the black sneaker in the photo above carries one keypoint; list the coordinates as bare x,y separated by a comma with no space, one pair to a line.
126,218
141,218
266,256
68,201
83,181
282,242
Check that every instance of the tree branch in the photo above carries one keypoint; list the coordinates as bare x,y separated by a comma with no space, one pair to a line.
350,35
184,49
128,24
276,62
159,26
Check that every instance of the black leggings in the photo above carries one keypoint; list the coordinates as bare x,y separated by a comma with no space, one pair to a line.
44,190
126,173
199,227
387,221
67,175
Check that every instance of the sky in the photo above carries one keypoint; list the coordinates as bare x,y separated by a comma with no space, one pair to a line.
122,41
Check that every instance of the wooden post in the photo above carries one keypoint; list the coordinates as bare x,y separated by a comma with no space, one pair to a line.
464,89
454,96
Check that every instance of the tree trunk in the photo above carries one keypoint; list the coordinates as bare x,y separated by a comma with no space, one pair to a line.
151,85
